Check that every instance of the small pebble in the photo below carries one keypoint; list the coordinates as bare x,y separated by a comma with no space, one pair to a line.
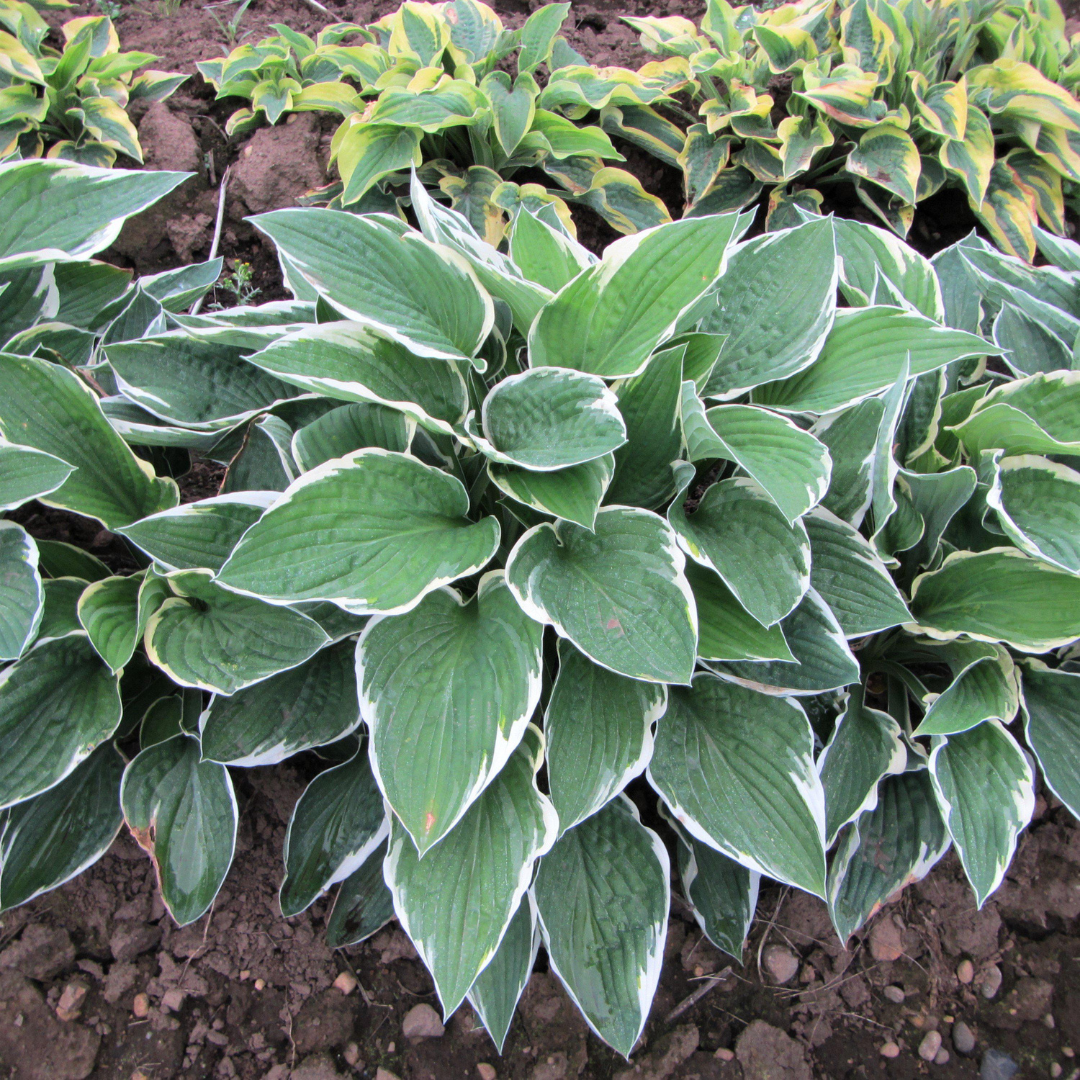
963,1039
890,1050
245,975
1056,1070
486,1071
346,982
352,1055
886,941
990,983
141,1006
895,994
69,1006
965,972
781,964
1048,1021
930,1045
724,1054
260,984
422,1022
391,1047
1068,1051
941,1057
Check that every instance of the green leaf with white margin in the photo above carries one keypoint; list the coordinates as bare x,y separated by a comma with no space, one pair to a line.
791,466
183,813
335,827
823,660
998,595
307,706
198,378
348,361
722,893
618,593
599,732
650,405
198,535
851,577
363,905
851,437
1051,703
57,704
22,595
59,615
726,630
54,205
544,254
460,677
793,271
351,427
499,987
864,353
55,836
391,530
894,844
986,793
51,409
573,494
736,769
1038,505
865,746
985,686
602,896
884,468
26,473
423,295
611,317
456,921
866,251
109,613
739,532
207,637
548,418
1032,346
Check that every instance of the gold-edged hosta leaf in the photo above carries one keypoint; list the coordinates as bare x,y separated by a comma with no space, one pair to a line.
471,195
618,197
943,106
645,127
788,47
801,137
513,106
971,158
1019,91
887,156
847,95
368,152
1009,212
1044,181
867,41
704,156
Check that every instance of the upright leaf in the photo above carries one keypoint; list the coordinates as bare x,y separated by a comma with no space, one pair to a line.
22,595
1052,728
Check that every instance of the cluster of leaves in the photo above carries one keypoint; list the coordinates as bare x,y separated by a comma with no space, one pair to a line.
427,90
778,534
900,97
71,102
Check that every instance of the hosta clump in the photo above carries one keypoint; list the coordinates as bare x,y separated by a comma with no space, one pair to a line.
774,535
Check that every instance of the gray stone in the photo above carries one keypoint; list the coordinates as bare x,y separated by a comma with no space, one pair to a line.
997,1066
781,964
963,1038
422,1022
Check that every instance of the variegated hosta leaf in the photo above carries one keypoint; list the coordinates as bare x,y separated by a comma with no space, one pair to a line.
1038,505
307,706
851,578
347,428
573,494
499,986
893,844
58,834
207,637
57,704
459,677
722,893
548,418
865,746
986,792
739,532
599,731
998,595
457,921
59,614
49,408
1051,706
26,473
183,813
389,277
722,749
350,361
610,318
851,437
334,829
22,595
198,535
618,593
984,686
390,530
546,255
363,904
864,353
602,896
109,613
792,271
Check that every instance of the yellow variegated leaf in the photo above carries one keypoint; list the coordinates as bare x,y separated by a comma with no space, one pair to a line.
867,41
784,206
787,47
419,31
471,195
87,153
1058,146
449,103
896,213
1008,211
932,178
616,195
98,28
719,22
474,29
733,188
367,152
801,137
645,127
971,158
847,95
701,161
1040,178
107,123
670,36
762,159
21,102
336,97
1018,90
943,107
887,156
17,61
534,198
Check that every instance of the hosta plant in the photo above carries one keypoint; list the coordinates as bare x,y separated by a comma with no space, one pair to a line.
426,86
710,559
72,102
900,98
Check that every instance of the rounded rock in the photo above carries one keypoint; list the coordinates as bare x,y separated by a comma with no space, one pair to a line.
895,994
990,981
781,964
930,1045
965,972
890,1050
422,1022
963,1038
941,1057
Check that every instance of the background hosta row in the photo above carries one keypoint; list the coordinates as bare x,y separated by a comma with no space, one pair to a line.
764,547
